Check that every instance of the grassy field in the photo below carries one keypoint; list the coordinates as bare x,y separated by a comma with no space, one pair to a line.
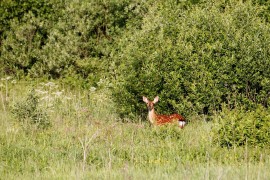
87,140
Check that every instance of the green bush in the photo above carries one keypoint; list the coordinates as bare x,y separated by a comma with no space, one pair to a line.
239,127
195,58
28,112
74,40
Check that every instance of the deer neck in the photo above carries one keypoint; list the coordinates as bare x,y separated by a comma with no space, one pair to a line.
152,116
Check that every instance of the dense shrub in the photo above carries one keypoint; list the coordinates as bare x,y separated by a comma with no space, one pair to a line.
24,27
63,39
20,49
239,127
16,9
29,112
195,58
75,42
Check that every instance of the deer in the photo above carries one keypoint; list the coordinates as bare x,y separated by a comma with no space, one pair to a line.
158,119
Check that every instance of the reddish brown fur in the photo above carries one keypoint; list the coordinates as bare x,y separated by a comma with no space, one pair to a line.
163,119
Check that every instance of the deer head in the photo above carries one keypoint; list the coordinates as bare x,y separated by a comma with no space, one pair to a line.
150,104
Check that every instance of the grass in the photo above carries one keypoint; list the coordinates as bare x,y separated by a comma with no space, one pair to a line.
88,141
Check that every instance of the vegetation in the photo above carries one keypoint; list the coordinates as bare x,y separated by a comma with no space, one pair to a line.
73,74
28,110
197,59
87,139
238,127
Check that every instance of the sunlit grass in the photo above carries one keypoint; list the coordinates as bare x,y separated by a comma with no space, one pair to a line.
87,140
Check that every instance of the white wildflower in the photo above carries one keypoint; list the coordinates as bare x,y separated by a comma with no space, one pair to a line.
6,79
45,98
67,98
50,84
93,89
41,92
59,93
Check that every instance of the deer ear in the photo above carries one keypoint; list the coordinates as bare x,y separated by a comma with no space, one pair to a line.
145,99
156,99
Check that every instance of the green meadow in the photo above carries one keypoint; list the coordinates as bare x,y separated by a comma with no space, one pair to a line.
85,139
73,74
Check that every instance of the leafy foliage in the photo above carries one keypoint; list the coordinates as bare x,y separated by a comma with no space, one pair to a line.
194,54
29,112
195,59
16,9
238,127
75,42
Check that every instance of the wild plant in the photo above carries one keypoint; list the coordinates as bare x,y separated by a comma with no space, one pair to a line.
29,113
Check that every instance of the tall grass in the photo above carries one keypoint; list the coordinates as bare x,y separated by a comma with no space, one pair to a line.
88,140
